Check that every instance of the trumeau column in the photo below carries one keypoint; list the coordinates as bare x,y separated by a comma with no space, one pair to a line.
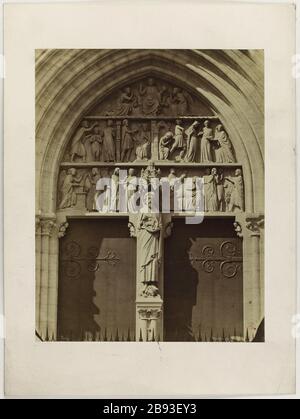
249,227
149,296
47,228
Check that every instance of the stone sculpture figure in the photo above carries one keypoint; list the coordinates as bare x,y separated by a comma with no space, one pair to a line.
236,200
220,191
179,193
143,149
207,137
165,145
179,102
150,244
178,136
132,187
114,190
224,150
210,191
95,140
127,102
68,189
90,187
77,147
192,142
127,141
150,98
109,149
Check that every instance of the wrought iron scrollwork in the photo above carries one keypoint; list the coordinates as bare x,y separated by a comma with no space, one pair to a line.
226,259
72,260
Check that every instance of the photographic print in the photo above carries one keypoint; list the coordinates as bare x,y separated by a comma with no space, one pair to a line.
149,195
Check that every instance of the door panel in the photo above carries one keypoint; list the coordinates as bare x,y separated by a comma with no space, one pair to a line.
203,286
97,281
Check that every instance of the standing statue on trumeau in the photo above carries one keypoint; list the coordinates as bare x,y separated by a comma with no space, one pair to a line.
149,235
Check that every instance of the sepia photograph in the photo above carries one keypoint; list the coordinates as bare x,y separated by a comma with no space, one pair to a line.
150,202
149,195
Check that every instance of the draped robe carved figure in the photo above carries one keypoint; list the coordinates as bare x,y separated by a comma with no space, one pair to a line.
95,141
132,187
109,150
90,187
77,146
224,150
165,144
192,142
210,191
150,98
68,189
127,102
143,149
178,137
127,141
150,245
236,200
207,137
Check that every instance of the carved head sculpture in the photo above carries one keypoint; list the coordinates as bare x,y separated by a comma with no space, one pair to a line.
238,172
213,171
116,171
206,123
150,81
95,171
72,171
109,123
172,172
85,123
131,172
125,122
96,130
127,90
178,121
219,127
169,135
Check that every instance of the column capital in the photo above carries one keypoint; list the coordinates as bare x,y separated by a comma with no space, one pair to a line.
149,313
250,224
47,223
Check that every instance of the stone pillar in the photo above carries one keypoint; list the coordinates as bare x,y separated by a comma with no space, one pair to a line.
249,228
38,242
47,225
53,285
